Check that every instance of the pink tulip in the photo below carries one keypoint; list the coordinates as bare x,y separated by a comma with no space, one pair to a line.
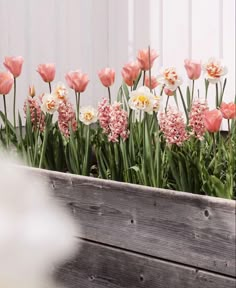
130,73
6,82
77,81
168,92
14,65
193,69
143,58
153,83
47,72
228,110
212,120
107,76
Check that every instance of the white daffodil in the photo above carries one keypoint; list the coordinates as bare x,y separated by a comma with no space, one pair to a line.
214,69
60,92
50,103
88,115
170,78
141,99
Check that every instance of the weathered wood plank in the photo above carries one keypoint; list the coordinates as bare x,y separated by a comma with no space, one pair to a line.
98,266
191,229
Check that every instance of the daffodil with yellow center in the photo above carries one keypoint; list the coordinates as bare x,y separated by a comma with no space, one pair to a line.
88,115
49,103
141,99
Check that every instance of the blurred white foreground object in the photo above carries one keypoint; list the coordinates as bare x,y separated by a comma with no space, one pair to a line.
36,233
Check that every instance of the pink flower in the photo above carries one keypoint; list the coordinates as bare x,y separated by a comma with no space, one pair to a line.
47,72
6,82
130,73
228,110
143,58
107,76
168,92
114,120
196,118
66,117
14,65
36,115
193,69
212,120
77,80
173,127
153,83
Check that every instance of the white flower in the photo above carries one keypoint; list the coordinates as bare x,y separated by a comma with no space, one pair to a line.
88,115
170,78
141,99
214,69
50,103
60,92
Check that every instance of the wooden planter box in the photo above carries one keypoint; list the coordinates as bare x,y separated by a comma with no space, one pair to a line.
136,236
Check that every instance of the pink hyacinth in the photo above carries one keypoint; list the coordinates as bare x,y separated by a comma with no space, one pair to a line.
66,117
36,115
173,126
114,120
196,118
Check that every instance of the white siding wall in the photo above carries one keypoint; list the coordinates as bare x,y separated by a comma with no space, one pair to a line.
92,34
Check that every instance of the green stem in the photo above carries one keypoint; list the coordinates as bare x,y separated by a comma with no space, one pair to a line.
109,94
192,91
45,139
6,125
217,96
144,75
50,87
162,89
167,100
14,103
182,98
228,127
149,61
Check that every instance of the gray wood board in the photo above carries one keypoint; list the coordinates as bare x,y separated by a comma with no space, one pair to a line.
191,229
98,266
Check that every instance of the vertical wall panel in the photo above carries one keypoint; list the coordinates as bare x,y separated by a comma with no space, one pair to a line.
92,34
206,36
118,39
229,46
176,25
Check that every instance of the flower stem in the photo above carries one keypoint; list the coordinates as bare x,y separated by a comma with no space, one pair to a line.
228,126
167,100
192,90
144,75
217,96
6,125
109,94
184,105
14,103
50,87
45,139
149,60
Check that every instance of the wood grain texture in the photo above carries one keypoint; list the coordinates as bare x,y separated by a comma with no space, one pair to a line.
191,229
98,266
